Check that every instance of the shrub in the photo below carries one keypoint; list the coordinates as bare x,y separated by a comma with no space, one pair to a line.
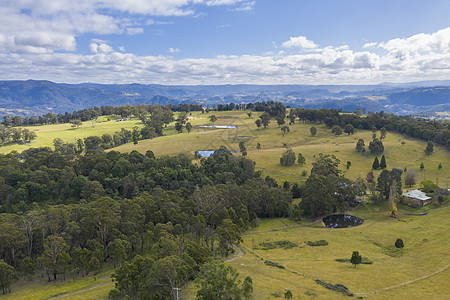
335,287
273,264
399,243
317,243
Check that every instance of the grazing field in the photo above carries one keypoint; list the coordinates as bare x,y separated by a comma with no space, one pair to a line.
273,144
82,288
47,133
426,238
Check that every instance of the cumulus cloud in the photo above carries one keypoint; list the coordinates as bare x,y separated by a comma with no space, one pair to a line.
435,42
174,50
100,48
45,26
299,42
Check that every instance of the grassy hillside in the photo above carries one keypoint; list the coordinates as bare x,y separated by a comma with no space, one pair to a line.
426,237
426,251
272,141
47,133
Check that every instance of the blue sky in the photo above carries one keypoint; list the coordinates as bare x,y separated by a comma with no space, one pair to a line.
225,41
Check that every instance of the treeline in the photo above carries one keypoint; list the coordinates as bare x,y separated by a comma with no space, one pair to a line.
273,108
87,114
436,131
67,214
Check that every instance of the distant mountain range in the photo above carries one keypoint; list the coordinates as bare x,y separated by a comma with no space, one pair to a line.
31,97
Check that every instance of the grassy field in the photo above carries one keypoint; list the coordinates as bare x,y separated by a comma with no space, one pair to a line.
47,133
273,144
426,251
83,288
426,237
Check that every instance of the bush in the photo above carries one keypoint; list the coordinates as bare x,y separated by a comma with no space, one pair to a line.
335,287
278,244
399,243
317,243
273,264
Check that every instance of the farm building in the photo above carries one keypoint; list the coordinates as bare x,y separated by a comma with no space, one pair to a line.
416,198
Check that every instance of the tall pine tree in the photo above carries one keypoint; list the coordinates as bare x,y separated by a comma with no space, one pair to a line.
376,164
383,163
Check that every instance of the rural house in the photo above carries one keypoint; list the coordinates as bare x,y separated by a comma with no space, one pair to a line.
416,198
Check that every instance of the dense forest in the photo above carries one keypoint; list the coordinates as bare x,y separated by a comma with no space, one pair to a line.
67,214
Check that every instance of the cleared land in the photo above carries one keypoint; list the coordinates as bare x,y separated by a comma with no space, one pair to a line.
426,237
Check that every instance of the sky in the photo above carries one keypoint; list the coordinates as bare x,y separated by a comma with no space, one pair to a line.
183,42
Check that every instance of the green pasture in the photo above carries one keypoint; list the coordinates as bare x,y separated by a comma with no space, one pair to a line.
47,133
82,288
426,238
273,144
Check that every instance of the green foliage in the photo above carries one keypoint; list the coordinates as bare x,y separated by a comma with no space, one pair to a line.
284,244
349,129
188,127
288,158
383,163
376,164
281,121
274,264
217,281
360,146
399,243
288,294
301,159
265,119
422,166
429,150
428,185
285,129
313,131
335,287
8,275
336,130
258,123
356,258
386,180
317,243
376,147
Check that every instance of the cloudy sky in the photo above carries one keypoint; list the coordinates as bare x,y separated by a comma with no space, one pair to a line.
225,41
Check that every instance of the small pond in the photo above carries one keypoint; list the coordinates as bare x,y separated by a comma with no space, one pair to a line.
242,137
208,153
218,126
341,221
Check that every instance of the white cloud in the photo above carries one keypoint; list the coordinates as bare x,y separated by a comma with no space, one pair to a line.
246,6
45,26
435,42
299,42
174,50
100,48
135,30
369,45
